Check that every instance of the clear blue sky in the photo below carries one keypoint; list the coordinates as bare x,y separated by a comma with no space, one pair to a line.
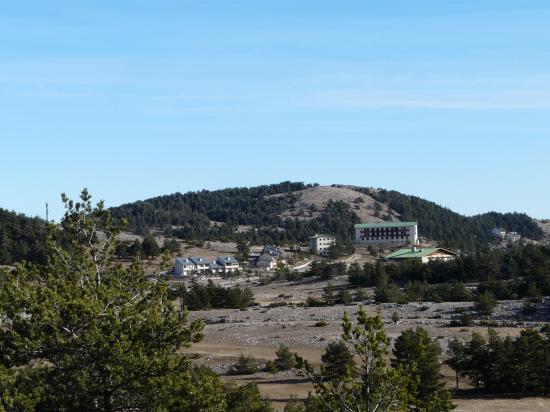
448,100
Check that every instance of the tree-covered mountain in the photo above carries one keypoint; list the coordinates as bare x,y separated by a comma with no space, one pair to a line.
277,213
221,214
450,228
210,215
21,238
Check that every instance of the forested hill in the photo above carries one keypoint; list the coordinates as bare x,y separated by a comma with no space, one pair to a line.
283,213
21,238
451,228
221,214
261,214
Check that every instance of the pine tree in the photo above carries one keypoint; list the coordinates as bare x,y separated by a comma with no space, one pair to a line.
92,334
338,361
418,356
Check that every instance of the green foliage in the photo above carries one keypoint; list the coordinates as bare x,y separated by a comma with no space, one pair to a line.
247,398
149,247
340,249
212,296
284,359
245,365
85,333
325,270
486,303
329,296
517,365
450,228
192,213
390,293
90,332
21,238
417,355
518,272
376,386
171,246
337,361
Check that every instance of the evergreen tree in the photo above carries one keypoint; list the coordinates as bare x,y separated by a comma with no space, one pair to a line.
284,359
376,387
417,355
92,334
337,361
486,303
150,247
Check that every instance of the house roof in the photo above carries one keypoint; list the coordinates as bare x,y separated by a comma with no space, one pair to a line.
214,265
409,253
185,262
384,224
265,257
272,250
226,260
198,260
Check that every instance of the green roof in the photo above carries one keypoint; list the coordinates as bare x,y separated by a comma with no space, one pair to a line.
384,224
408,253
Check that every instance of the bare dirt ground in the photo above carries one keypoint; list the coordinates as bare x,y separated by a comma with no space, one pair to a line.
259,331
363,205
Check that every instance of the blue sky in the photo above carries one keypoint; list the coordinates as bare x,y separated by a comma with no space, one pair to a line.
448,100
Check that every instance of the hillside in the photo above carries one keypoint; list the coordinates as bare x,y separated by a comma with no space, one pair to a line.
283,213
21,238
290,212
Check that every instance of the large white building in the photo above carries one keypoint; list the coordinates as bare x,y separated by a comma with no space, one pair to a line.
388,233
321,244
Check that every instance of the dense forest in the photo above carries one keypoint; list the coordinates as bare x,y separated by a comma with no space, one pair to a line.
21,238
515,273
450,228
189,216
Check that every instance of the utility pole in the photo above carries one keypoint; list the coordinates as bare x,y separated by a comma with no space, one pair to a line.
47,221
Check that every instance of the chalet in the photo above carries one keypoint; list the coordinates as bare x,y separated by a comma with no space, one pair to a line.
265,261
424,254
228,264
184,267
199,265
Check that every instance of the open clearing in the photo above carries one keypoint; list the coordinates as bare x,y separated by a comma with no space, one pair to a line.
259,331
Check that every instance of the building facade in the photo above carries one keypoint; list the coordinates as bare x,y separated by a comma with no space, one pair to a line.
321,244
196,265
387,233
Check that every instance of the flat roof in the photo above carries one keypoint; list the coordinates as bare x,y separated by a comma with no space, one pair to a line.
318,236
384,224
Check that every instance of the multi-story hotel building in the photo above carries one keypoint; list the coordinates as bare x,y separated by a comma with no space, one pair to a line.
386,233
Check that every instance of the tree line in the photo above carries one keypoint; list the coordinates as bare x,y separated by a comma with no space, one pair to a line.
510,365
21,238
450,228
212,296
514,273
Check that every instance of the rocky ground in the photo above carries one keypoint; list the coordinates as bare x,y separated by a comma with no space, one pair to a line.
260,330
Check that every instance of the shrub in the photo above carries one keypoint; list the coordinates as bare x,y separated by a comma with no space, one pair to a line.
245,365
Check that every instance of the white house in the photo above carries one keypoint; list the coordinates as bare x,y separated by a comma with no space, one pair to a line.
321,244
228,264
198,265
389,233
